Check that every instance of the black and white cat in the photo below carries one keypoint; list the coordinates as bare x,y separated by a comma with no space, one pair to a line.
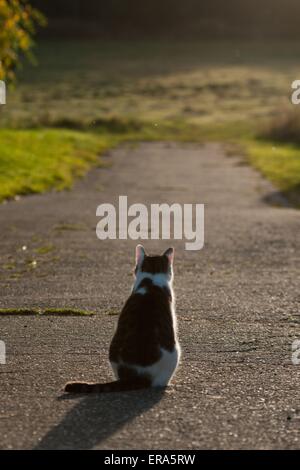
144,351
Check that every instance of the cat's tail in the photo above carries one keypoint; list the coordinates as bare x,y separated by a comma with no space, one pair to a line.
117,386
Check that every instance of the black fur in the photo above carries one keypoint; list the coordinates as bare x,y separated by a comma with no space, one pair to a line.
145,326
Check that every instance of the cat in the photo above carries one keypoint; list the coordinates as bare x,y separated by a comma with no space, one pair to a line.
144,351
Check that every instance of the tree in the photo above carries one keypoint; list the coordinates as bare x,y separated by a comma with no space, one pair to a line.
18,21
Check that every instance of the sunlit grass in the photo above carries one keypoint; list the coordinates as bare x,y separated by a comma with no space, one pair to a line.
33,161
86,97
49,311
280,163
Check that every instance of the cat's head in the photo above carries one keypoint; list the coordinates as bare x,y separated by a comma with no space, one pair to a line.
162,264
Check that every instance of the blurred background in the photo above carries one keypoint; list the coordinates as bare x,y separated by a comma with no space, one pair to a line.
172,18
103,72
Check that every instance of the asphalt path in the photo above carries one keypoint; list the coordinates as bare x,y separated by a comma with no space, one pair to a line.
237,305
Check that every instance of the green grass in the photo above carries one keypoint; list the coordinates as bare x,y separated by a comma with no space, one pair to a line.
33,161
86,97
66,311
69,227
280,163
38,160
19,311
43,250
49,311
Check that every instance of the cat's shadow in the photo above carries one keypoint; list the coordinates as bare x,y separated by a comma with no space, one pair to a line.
96,417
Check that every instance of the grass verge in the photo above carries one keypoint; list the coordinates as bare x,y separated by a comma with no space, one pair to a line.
48,311
40,159
34,161
279,163
37,160
54,126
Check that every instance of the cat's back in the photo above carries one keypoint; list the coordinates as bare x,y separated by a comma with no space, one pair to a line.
145,326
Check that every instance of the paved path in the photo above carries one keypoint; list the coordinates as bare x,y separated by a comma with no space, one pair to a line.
237,302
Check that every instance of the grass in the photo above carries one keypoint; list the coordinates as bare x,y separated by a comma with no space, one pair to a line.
276,153
284,128
49,311
280,163
34,161
69,227
56,124
43,250
19,311
83,83
37,160
66,311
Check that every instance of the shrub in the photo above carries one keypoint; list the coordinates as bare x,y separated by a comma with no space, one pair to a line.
18,21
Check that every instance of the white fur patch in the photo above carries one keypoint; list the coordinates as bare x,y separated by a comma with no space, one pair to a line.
114,367
161,371
160,279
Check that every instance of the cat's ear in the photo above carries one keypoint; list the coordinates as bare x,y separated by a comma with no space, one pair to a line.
169,253
139,254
